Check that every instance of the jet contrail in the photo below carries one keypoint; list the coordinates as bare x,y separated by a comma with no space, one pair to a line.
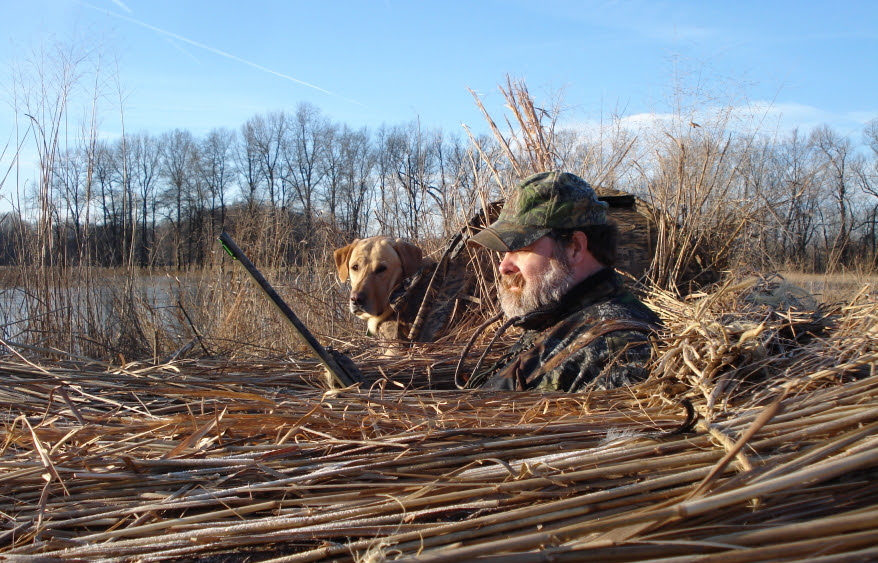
219,52
122,5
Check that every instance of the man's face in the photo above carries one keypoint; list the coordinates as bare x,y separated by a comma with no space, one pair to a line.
533,277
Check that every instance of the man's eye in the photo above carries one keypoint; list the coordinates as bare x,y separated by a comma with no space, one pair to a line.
355,267
380,268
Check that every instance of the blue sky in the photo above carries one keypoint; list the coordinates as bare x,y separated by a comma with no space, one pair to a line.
202,64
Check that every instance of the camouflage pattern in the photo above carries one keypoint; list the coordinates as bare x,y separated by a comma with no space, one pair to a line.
426,304
637,232
597,337
542,202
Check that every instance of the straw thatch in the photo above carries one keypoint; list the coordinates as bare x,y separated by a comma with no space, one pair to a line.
223,460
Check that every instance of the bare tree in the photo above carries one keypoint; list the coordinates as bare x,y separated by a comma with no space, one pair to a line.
264,136
70,187
216,171
354,161
305,157
248,165
408,165
178,158
797,197
124,179
104,177
865,209
833,152
145,172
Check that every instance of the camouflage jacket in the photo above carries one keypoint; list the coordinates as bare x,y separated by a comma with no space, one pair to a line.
596,337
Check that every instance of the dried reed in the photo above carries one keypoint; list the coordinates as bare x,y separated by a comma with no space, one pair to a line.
216,458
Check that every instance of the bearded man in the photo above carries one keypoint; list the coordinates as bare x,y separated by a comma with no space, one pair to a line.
582,328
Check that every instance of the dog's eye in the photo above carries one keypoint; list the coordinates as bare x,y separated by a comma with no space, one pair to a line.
355,267
380,268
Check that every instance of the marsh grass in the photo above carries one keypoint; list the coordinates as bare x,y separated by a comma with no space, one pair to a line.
835,287
157,314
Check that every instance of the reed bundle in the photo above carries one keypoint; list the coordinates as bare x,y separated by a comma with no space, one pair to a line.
218,459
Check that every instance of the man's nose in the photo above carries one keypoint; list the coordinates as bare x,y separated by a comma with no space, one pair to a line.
506,265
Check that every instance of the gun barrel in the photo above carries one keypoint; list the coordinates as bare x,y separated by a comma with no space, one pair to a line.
339,373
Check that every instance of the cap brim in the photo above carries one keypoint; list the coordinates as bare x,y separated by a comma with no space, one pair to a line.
489,239
503,237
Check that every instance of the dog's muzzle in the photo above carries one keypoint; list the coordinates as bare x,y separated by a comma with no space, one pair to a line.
354,308
357,303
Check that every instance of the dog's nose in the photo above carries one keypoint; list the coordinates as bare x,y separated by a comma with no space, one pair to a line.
357,298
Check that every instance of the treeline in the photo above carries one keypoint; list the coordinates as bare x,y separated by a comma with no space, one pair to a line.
798,201
820,197
296,179
297,182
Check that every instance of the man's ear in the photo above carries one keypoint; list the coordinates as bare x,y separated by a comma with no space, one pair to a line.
578,247
410,255
342,255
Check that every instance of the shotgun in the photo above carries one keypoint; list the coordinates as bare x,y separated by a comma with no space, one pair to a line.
340,367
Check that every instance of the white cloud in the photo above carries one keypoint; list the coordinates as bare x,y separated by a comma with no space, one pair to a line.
786,116
647,120
762,117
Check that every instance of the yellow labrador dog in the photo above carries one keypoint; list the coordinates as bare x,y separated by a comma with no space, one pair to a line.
376,267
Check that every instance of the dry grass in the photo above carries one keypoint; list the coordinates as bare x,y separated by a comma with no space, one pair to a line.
157,315
834,288
200,458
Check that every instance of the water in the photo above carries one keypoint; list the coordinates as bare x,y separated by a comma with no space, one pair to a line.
104,310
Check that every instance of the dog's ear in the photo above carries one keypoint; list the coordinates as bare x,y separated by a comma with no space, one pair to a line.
342,255
410,255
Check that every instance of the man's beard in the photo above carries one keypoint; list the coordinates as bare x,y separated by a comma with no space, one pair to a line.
547,288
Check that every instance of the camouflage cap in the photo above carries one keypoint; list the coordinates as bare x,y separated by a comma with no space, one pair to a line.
540,203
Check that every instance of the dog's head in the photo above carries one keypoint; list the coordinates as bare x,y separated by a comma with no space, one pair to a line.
375,266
